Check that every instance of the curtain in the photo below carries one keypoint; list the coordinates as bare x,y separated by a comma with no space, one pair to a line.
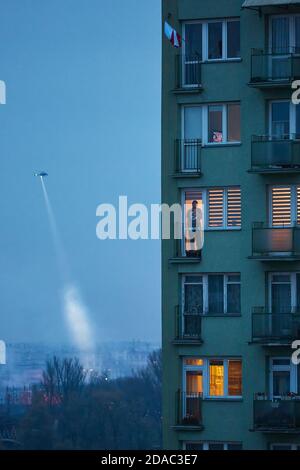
281,298
280,35
193,299
233,298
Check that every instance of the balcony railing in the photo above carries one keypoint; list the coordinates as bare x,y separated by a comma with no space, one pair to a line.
275,328
271,154
269,68
188,157
188,73
188,409
188,325
275,243
278,415
188,248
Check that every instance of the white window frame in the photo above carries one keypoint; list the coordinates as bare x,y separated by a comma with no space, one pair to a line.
205,123
204,24
293,128
293,284
282,444
204,283
291,368
293,203
292,31
207,444
205,374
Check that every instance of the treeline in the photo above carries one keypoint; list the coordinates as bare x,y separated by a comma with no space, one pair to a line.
70,412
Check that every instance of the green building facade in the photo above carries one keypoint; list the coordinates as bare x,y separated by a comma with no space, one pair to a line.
231,148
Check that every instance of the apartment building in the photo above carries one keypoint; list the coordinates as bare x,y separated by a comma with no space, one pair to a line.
231,148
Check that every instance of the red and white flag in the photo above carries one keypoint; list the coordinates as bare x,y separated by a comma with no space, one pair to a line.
172,35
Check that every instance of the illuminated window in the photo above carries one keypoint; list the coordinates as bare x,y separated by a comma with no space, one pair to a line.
285,205
234,378
216,378
194,382
224,208
194,362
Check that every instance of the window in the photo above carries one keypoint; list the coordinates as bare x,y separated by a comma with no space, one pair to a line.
284,206
283,447
212,293
285,34
283,377
224,208
212,40
214,378
213,124
215,40
209,209
284,120
212,446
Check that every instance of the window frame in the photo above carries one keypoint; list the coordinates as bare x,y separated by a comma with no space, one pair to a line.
205,123
292,31
205,49
204,283
204,369
204,192
292,116
293,284
294,204
291,368
206,444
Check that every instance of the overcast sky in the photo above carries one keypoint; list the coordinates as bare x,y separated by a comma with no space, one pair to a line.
83,103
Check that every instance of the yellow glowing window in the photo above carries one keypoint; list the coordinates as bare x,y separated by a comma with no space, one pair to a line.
235,378
193,362
216,378
194,382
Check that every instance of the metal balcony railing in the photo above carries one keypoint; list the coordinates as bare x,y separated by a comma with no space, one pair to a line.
275,154
278,328
275,242
187,156
275,66
277,414
188,72
188,324
188,409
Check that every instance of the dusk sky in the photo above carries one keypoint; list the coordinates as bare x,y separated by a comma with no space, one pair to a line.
83,103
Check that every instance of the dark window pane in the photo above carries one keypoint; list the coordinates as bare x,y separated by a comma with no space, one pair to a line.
298,292
194,446
216,294
281,119
281,383
281,298
193,40
235,446
193,299
233,123
233,39
216,446
215,40
233,298
298,118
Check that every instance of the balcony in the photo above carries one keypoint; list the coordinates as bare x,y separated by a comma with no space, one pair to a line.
276,416
187,158
187,327
188,74
275,155
274,69
275,243
188,249
275,329
188,411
